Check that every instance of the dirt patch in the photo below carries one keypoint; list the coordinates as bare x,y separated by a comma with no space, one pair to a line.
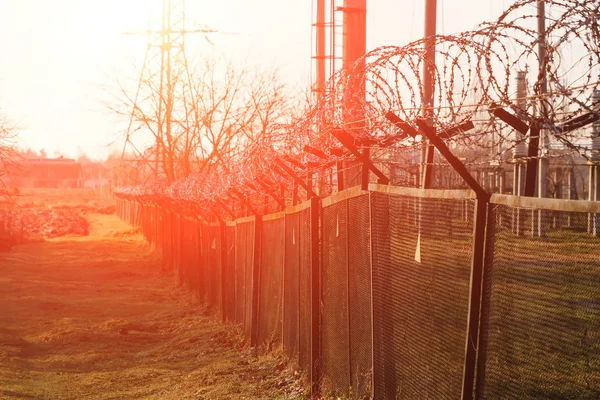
86,209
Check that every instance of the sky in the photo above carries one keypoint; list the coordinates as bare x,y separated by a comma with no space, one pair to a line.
60,59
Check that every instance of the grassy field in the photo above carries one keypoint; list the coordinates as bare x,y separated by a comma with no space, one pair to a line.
85,200
95,317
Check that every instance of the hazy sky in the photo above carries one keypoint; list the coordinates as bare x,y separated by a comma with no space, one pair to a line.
60,58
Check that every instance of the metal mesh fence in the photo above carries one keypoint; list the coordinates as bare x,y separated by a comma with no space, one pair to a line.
335,320
244,267
291,286
229,274
204,292
214,266
189,251
541,334
169,231
304,294
395,276
178,245
346,298
421,272
193,265
181,243
186,250
526,221
271,282
359,295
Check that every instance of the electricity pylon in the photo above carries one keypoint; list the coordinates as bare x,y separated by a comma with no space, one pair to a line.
165,65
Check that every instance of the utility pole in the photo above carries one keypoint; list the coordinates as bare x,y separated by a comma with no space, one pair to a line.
543,89
319,88
320,49
594,171
519,153
354,47
165,50
428,79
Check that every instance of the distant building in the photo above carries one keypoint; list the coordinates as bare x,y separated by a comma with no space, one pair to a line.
46,172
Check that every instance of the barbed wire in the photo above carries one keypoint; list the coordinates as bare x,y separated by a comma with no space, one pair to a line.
474,72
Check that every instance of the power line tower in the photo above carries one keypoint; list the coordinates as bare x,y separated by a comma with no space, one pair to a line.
161,83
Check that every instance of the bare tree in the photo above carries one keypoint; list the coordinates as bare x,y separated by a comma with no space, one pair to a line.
214,110
7,150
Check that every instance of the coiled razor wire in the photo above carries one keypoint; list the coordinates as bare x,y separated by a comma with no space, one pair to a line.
474,71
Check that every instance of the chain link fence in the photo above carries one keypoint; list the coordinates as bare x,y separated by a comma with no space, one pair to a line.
229,273
346,296
335,321
372,298
244,273
421,272
305,286
291,287
541,331
271,286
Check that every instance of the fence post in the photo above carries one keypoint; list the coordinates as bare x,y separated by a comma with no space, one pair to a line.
316,373
475,290
224,270
153,225
256,280
181,248
486,295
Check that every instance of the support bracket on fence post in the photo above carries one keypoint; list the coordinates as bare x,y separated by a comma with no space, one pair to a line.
295,177
348,142
244,201
510,119
458,166
404,127
533,148
579,122
225,208
271,193
314,151
216,214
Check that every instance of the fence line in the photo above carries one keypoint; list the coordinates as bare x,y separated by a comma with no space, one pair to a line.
370,292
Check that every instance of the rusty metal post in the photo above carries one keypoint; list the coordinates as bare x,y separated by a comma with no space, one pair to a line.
486,297
225,273
480,222
428,75
256,280
316,371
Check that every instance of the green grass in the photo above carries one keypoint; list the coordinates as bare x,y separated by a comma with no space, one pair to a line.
97,318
